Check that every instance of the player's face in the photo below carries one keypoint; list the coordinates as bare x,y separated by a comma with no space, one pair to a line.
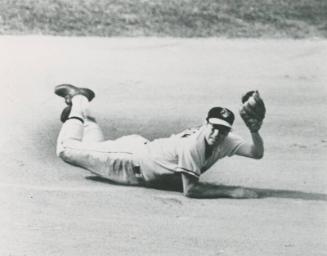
216,134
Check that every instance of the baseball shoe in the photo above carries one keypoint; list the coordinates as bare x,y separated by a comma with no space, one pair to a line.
65,113
68,91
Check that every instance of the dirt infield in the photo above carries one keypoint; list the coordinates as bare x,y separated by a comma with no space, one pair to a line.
155,87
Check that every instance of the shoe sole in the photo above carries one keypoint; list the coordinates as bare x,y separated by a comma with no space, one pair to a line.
67,91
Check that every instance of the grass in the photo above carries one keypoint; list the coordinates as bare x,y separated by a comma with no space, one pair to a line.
176,18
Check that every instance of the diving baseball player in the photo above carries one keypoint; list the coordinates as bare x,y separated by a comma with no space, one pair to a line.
179,159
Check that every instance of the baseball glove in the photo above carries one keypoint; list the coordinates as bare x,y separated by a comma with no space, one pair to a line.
253,110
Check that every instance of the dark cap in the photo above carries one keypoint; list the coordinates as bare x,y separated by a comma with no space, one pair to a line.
221,116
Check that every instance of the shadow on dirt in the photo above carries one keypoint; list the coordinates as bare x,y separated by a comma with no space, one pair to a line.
168,186
262,193
291,194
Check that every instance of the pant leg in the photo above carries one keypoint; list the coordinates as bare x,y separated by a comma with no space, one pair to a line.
104,158
92,131
71,131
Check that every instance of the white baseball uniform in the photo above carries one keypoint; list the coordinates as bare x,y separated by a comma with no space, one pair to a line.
135,160
183,152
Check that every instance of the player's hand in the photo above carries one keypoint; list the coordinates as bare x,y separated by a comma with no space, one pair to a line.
253,110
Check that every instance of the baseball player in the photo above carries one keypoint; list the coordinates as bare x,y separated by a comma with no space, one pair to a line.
179,159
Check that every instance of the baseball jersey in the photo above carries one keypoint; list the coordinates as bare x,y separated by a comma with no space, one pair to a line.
184,153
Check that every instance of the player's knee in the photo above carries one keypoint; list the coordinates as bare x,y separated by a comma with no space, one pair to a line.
67,155
59,150
63,153
64,147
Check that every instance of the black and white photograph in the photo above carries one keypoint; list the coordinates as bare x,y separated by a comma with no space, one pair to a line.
163,127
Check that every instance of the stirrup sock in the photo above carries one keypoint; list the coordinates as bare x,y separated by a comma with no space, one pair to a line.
76,117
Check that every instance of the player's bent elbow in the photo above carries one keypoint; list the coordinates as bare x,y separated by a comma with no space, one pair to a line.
189,185
257,153
189,194
257,156
191,191
187,191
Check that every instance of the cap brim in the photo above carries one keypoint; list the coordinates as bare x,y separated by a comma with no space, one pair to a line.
218,121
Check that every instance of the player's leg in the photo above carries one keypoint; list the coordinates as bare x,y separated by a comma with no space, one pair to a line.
101,158
92,130
72,131
105,159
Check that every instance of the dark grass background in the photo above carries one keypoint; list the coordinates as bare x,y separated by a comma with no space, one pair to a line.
166,18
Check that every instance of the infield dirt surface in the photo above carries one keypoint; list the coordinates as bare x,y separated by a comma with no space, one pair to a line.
156,87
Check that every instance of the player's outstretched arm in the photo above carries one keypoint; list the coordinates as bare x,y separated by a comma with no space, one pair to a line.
194,189
253,150
253,112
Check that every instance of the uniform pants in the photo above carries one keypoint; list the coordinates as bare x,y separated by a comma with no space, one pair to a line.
84,146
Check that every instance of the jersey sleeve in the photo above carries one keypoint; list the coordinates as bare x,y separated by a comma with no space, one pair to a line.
232,144
189,158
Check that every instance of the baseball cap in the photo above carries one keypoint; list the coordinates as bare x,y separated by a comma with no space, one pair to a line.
221,116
